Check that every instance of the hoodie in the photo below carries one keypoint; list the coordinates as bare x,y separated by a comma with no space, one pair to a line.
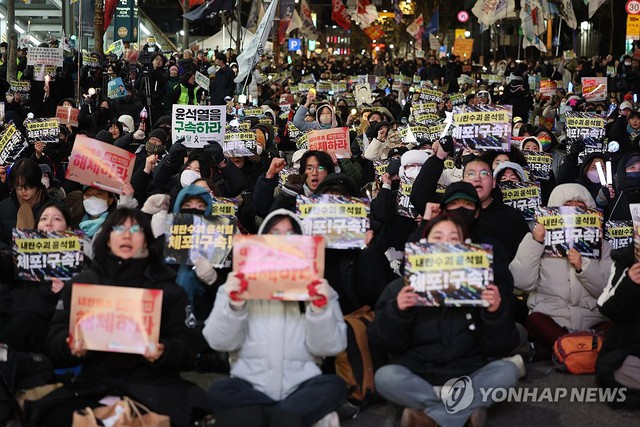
301,113
279,212
628,191
187,278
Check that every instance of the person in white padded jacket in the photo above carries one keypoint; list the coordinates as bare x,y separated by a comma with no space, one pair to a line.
276,348
563,292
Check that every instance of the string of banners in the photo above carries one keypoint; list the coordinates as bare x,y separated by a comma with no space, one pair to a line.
279,267
118,319
343,221
42,255
570,227
445,274
192,236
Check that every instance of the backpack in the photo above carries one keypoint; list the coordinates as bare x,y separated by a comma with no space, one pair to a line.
358,363
577,352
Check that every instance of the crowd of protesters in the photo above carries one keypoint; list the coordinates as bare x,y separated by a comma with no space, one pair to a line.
280,354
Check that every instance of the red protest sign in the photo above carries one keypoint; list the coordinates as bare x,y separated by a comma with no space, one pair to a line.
115,318
332,141
100,165
278,267
67,115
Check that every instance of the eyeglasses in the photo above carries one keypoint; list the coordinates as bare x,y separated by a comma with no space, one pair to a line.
315,168
473,174
122,229
24,187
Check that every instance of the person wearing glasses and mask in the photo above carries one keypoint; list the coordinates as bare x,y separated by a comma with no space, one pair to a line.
128,259
27,197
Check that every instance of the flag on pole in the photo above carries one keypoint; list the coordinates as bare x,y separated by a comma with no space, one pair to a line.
594,5
397,12
339,14
250,56
567,13
490,11
532,24
308,28
415,27
252,20
433,25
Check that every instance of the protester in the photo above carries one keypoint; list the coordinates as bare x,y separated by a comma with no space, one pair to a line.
562,291
431,345
276,347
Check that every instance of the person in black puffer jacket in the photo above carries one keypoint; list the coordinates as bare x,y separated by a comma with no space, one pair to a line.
153,379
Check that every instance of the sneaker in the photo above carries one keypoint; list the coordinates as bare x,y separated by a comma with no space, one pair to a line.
348,411
329,420
519,362
416,418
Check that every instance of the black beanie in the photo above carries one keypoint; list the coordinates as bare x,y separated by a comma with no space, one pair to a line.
160,134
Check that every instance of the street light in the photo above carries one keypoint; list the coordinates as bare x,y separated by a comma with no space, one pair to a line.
391,46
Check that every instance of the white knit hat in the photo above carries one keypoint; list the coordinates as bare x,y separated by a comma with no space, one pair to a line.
127,123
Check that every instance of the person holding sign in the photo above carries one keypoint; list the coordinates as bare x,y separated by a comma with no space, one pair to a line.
562,291
618,361
325,117
27,306
27,197
429,346
277,346
127,260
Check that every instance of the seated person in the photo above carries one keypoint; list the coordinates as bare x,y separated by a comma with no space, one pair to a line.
431,345
562,291
277,346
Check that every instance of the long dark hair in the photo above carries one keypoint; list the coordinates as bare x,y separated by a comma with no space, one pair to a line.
117,217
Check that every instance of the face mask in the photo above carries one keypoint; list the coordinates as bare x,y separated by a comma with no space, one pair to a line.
95,206
627,63
259,149
187,177
153,148
633,175
103,111
412,172
593,176
467,216
45,181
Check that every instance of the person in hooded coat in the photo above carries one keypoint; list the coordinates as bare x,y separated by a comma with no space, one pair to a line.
562,291
628,187
325,116
277,347
619,358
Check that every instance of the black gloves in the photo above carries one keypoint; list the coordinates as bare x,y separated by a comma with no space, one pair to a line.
446,142
215,151
177,153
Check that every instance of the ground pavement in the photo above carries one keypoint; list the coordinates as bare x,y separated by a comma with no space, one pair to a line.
507,414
